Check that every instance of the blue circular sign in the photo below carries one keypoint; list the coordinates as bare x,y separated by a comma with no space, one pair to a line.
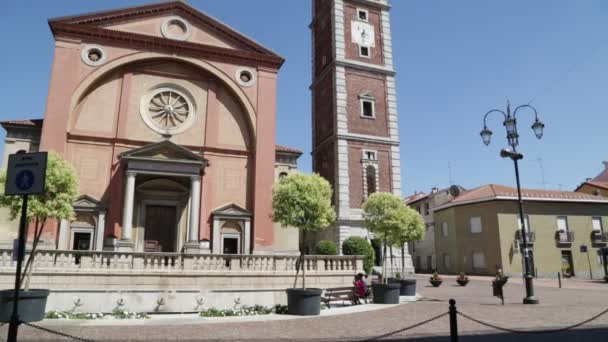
24,180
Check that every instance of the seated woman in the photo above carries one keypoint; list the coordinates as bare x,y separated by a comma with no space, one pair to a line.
359,290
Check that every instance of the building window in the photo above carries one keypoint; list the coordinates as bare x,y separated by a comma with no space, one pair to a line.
600,258
447,261
444,229
479,260
427,209
475,225
596,223
362,14
367,109
364,51
370,174
562,223
526,222
369,155
282,175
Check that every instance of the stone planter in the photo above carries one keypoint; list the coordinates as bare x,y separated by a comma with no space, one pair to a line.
462,282
32,305
436,282
386,293
303,302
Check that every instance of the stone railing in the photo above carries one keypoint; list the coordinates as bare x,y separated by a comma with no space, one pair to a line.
106,262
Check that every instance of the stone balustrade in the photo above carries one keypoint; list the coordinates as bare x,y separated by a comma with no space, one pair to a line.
105,261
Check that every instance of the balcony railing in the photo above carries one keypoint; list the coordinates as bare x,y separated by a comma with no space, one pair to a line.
599,237
564,237
109,262
530,237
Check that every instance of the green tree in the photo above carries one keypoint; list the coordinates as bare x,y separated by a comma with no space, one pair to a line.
356,245
326,247
413,230
303,201
385,215
61,190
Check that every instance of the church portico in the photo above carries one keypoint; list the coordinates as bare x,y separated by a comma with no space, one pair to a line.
163,186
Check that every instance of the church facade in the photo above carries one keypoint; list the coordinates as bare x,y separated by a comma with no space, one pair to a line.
168,117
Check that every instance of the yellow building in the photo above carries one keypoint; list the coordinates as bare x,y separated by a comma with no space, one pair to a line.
478,232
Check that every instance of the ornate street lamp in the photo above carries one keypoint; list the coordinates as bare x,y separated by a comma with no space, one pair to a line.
510,123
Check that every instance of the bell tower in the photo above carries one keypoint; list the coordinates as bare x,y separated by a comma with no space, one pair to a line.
354,107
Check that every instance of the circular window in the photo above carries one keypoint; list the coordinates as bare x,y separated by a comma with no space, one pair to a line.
168,110
93,55
245,77
176,28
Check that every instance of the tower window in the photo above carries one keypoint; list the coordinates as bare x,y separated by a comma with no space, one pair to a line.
282,175
364,51
362,14
370,175
369,155
367,108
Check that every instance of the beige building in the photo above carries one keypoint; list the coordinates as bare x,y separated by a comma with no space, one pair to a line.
423,251
481,234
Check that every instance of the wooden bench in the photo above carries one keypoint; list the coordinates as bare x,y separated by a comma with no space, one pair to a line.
338,293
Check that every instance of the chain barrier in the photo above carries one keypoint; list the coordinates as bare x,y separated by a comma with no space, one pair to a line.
546,331
405,329
58,333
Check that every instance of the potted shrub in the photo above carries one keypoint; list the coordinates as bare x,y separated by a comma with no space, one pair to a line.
385,216
412,230
303,201
462,279
436,279
55,204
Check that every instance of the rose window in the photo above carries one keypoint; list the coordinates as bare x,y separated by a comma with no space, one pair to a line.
167,110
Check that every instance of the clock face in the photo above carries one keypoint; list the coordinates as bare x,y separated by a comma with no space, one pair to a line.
362,33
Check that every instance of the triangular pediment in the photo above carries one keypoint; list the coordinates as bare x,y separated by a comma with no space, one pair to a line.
232,210
163,151
165,24
86,202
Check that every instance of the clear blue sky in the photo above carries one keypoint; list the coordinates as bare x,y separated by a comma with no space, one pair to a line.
455,61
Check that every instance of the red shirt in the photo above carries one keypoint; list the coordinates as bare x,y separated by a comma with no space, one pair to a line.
359,288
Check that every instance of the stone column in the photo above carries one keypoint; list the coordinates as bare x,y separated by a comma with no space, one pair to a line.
101,228
193,245
126,242
64,232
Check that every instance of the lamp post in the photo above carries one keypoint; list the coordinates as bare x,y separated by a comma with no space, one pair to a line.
510,124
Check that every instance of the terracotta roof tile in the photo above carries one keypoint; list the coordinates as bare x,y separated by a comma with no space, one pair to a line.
603,176
493,191
414,198
28,123
280,148
603,185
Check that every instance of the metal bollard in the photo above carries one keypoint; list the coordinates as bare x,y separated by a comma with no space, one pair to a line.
453,321
559,279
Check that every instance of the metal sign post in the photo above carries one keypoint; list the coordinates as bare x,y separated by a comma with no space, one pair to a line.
25,176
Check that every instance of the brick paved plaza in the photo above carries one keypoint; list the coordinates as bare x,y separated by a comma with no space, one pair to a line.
558,308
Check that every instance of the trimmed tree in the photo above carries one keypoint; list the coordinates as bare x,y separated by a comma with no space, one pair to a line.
412,230
385,216
326,247
61,190
356,245
303,201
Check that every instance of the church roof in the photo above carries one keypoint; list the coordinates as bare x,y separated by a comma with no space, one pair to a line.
93,27
35,123
281,148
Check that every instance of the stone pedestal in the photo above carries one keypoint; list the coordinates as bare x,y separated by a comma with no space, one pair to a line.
192,247
126,246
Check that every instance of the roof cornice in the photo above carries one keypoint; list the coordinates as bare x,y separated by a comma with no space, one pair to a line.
600,200
61,29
